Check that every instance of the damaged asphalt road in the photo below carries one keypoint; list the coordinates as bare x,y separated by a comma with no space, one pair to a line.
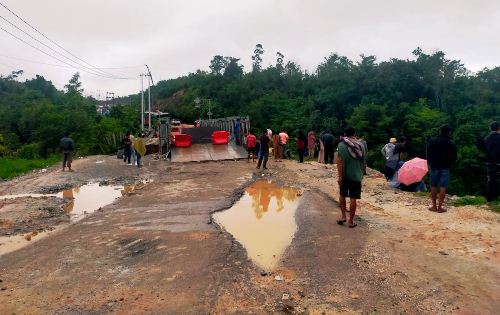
156,250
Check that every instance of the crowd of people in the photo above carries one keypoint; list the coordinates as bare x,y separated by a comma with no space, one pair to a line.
133,149
351,161
441,155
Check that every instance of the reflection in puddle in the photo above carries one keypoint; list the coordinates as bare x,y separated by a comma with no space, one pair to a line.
263,221
85,199
89,198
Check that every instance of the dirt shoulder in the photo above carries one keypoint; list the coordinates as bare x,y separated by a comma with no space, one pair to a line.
156,250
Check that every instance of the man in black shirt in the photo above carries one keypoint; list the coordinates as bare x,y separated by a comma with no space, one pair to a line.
492,146
328,144
441,154
67,145
264,149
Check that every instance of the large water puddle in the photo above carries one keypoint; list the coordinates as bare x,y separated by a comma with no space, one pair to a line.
85,199
79,202
263,221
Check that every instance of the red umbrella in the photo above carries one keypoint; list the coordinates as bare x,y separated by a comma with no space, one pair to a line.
412,171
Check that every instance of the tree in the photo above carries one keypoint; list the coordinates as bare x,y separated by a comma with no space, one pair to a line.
14,75
74,85
280,62
256,58
233,69
217,64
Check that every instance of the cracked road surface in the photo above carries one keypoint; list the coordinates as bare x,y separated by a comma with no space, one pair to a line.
157,251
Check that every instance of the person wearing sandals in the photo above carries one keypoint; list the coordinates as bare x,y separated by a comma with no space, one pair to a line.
441,154
350,161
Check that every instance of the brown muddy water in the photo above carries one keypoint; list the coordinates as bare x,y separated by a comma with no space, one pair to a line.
89,198
81,201
85,199
263,221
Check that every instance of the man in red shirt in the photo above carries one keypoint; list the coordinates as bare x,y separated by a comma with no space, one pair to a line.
251,144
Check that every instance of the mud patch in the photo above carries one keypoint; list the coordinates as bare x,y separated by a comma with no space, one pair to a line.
263,221
25,215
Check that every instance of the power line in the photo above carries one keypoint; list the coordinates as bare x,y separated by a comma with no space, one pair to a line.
50,48
62,66
52,41
44,52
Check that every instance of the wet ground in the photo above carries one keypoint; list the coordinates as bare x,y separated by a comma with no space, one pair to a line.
189,243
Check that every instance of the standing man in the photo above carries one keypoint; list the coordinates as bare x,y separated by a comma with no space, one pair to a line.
350,162
441,154
67,146
264,149
237,131
398,154
328,143
387,152
283,144
388,148
301,146
251,145
492,145
127,151
140,149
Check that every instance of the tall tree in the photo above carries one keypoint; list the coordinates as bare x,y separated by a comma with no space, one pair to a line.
280,59
74,85
257,58
217,64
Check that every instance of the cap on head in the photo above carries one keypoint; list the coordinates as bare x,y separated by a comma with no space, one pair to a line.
393,140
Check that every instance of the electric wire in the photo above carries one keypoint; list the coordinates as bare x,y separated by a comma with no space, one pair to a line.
56,58
52,41
63,66
50,48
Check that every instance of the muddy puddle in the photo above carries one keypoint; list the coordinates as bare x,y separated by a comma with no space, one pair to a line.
85,199
78,203
263,221
90,198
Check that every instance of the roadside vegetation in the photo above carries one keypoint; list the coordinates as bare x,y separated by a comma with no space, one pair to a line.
381,99
12,167
476,201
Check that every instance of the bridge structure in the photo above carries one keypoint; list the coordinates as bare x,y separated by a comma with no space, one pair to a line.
202,148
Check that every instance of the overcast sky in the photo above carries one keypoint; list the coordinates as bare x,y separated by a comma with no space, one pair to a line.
175,37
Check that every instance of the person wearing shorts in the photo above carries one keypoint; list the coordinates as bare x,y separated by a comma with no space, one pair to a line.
67,145
441,154
350,172
251,141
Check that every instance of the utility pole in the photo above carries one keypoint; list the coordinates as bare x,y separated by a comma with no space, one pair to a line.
150,81
110,96
142,101
149,105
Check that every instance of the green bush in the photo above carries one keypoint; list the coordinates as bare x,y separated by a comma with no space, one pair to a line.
469,201
28,152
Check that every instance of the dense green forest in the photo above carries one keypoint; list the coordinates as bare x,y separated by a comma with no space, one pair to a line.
410,97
